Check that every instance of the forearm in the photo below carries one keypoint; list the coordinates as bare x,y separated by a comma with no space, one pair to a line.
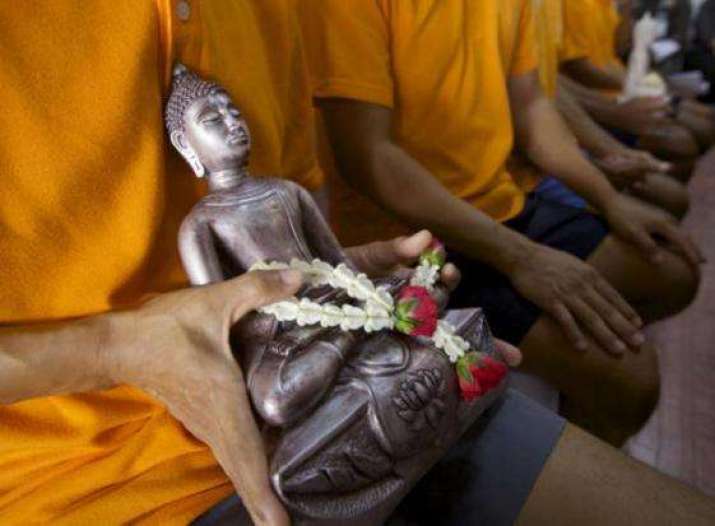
544,137
585,72
430,205
56,358
589,134
600,107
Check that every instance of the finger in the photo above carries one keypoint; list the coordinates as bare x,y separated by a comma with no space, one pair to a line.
654,163
682,242
568,323
625,329
510,354
238,447
450,276
594,323
374,259
409,249
259,288
381,257
616,299
646,244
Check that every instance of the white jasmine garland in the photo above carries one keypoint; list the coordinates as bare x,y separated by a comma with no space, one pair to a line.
425,275
319,273
446,338
377,312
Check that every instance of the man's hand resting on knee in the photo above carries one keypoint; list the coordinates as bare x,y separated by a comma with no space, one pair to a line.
650,229
578,298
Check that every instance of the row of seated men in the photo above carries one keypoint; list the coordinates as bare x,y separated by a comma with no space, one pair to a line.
574,143
496,125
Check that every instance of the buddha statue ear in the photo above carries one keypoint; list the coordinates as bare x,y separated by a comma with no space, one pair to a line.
178,139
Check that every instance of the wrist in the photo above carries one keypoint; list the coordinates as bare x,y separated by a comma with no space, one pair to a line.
521,253
600,193
112,357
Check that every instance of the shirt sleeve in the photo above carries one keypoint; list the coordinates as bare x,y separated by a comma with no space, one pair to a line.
577,30
525,57
347,45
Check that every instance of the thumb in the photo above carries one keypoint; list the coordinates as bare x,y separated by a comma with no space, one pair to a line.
510,354
409,248
257,289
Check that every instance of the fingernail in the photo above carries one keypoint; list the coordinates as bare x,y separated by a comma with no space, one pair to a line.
620,347
291,278
638,339
582,346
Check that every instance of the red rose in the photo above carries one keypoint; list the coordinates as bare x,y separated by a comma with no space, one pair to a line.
416,312
478,374
471,390
489,372
435,255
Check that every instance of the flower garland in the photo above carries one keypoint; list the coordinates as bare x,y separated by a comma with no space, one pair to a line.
413,312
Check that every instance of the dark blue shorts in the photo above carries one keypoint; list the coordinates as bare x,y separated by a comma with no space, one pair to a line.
548,222
485,478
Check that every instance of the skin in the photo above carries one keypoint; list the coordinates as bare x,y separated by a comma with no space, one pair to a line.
586,481
634,171
581,302
180,339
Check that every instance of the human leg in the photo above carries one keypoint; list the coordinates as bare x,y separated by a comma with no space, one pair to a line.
674,143
586,481
612,397
664,192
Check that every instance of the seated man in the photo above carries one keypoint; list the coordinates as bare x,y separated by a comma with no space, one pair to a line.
82,248
419,101
636,172
89,218
598,76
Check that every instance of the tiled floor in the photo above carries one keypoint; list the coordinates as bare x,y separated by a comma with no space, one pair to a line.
680,438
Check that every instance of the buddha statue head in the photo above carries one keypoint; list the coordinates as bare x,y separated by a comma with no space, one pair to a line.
205,126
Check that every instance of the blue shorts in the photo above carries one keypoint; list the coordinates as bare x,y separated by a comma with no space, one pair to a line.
547,221
486,478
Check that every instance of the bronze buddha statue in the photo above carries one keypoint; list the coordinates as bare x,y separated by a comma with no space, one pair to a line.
359,417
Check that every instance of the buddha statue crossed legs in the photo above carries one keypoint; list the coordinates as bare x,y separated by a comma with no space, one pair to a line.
360,417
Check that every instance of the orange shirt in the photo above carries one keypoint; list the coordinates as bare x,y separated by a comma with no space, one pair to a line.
549,38
590,31
91,202
442,66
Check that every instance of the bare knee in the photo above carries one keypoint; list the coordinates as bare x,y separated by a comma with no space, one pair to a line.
671,142
666,193
679,202
678,282
631,395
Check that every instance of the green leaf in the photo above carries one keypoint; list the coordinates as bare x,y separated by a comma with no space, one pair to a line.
404,326
404,308
464,372
471,358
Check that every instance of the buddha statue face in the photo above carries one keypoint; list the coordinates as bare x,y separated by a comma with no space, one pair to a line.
205,126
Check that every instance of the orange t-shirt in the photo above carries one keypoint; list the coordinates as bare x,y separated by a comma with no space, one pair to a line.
91,202
549,37
590,31
442,65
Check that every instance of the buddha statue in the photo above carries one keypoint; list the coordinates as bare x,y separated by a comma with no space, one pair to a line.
358,417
